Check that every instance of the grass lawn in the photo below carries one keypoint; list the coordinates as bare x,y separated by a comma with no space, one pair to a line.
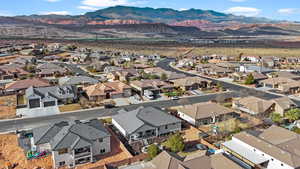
70,107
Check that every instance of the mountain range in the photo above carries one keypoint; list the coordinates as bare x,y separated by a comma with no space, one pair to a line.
123,21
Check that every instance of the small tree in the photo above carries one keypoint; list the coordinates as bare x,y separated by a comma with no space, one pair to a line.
175,143
250,79
219,86
276,118
163,77
152,151
293,114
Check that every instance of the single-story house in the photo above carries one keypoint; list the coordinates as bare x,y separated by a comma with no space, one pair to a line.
204,113
192,83
107,90
254,105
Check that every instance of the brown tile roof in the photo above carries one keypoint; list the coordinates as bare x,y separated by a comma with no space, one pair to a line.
189,81
167,160
280,143
24,84
100,89
284,102
277,80
254,104
204,110
149,83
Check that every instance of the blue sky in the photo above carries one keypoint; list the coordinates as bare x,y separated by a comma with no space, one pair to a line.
274,9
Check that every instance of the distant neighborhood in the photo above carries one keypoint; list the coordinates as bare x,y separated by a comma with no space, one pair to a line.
68,106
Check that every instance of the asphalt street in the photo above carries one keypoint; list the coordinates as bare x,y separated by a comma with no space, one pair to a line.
243,91
28,123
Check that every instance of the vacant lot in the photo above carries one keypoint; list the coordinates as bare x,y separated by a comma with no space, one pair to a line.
8,107
69,107
12,155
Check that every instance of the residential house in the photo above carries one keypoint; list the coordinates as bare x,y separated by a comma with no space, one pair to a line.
72,143
292,60
168,160
253,59
284,74
123,75
273,148
254,68
154,86
192,83
23,60
239,76
283,104
77,80
145,122
290,88
109,69
276,82
22,85
204,113
159,72
12,72
213,70
98,66
269,61
38,97
107,90
50,69
254,105
186,63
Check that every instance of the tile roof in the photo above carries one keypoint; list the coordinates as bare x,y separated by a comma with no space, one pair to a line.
100,89
204,110
24,84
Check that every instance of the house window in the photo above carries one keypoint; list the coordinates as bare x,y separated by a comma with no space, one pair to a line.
100,140
63,151
166,127
102,151
62,163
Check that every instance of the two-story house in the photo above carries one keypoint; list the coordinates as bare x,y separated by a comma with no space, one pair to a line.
50,96
72,143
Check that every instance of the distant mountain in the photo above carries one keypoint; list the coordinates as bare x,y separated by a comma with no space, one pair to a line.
132,22
167,15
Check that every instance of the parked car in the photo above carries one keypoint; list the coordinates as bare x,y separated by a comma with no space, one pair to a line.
201,147
175,98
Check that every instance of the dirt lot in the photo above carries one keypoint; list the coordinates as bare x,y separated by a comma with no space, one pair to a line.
8,107
12,154
69,107
191,134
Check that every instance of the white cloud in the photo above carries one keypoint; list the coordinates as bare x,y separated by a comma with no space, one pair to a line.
183,9
52,0
245,11
288,11
55,13
238,0
89,8
105,3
